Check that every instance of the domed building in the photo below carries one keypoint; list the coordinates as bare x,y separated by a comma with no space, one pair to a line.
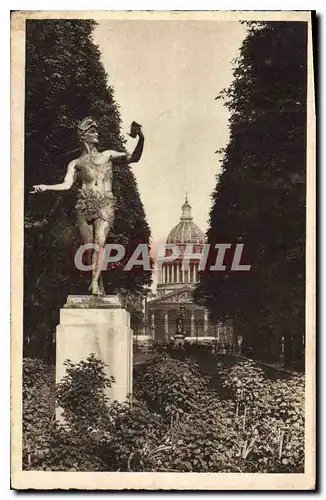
172,276
175,288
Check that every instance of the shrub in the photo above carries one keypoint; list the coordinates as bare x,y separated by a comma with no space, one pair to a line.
46,444
135,435
198,441
170,386
96,436
38,410
81,393
272,410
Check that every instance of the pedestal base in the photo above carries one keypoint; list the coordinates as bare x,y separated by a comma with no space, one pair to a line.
99,326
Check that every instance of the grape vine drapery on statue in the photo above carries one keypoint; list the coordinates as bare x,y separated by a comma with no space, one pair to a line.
66,81
259,198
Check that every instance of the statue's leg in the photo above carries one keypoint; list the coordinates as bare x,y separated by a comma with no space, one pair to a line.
101,230
87,236
101,285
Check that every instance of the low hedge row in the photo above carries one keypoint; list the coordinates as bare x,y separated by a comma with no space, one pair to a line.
174,422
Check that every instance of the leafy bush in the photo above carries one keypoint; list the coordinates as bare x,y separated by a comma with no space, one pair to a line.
135,434
95,436
272,410
38,410
81,393
170,386
46,444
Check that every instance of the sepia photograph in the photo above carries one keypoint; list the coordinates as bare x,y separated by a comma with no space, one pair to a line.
163,250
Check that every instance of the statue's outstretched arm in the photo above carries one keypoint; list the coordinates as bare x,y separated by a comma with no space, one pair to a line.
64,186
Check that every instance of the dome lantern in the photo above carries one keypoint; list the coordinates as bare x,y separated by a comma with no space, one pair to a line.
186,231
186,211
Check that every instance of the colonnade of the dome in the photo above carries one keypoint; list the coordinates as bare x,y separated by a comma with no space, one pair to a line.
173,273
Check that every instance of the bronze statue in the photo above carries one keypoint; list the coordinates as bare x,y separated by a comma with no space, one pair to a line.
180,320
95,201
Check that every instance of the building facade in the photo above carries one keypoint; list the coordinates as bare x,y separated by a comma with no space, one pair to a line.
175,288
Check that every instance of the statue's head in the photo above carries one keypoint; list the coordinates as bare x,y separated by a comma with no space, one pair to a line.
88,131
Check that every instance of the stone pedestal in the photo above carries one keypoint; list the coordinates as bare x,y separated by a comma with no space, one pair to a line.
100,326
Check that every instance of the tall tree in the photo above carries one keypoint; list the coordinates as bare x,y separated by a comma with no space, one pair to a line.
259,198
65,81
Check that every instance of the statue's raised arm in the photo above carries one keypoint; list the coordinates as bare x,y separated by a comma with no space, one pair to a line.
134,157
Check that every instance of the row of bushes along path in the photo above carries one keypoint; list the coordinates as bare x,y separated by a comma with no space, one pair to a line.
234,418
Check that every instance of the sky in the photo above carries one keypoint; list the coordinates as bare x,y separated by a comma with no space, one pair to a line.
166,75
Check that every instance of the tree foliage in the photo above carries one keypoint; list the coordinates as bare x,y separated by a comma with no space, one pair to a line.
259,199
66,81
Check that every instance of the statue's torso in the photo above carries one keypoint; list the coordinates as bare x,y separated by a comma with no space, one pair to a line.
95,199
95,172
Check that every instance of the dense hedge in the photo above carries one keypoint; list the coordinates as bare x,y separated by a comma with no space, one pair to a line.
175,421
